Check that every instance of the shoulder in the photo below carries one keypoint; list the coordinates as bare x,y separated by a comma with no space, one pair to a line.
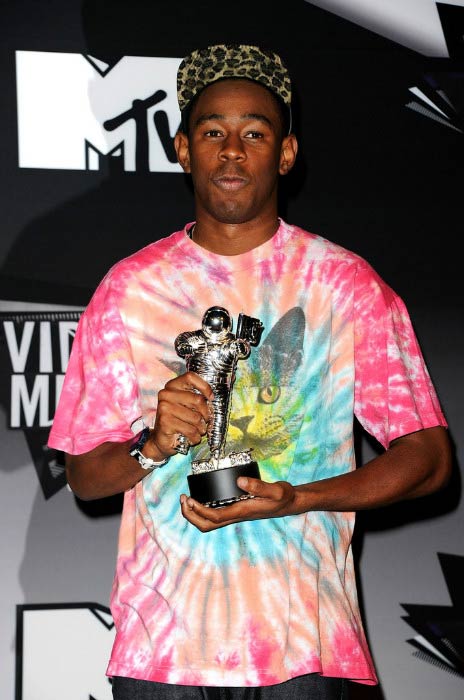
155,253
320,248
126,275
334,261
145,261
345,271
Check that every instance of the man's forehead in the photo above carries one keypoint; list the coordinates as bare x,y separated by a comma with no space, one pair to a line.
238,97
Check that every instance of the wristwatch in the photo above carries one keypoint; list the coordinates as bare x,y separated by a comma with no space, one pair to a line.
136,452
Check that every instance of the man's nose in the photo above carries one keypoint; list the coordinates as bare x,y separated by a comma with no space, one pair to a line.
232,148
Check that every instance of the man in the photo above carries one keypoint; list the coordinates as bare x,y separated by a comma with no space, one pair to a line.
259,594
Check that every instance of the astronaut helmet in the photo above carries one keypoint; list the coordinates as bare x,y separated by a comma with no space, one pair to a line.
216,322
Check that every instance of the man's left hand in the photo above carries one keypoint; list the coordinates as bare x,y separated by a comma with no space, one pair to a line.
271,500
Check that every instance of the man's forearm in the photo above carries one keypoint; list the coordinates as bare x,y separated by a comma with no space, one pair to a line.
106,470
415,465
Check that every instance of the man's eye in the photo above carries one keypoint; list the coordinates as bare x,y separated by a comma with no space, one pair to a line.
213,132
254,135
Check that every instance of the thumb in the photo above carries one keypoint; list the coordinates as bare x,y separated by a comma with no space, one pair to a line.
251,485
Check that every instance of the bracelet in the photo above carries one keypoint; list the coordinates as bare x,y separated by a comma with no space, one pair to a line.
136,452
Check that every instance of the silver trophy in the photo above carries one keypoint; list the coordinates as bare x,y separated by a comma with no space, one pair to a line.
213,352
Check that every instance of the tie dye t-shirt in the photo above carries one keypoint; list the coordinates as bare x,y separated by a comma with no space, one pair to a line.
260,602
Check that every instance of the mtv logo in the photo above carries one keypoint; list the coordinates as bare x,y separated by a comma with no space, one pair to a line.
75,112
63,651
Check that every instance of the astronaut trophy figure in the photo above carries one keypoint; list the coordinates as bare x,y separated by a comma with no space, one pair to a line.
213,352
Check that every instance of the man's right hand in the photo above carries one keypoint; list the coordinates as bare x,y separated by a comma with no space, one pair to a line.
182,410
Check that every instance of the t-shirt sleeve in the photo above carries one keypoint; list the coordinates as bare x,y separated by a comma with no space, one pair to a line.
394,394
99,398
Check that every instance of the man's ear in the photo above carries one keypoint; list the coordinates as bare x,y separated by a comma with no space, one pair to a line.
181,144
288,152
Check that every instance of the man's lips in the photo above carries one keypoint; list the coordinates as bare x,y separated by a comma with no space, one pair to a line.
230,183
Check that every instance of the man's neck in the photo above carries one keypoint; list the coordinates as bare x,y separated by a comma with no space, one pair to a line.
233,239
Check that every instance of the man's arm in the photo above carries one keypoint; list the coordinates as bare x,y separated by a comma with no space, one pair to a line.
109,468
414,465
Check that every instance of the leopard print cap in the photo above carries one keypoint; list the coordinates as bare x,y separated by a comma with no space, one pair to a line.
204,66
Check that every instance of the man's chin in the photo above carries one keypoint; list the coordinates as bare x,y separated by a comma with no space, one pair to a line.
233,214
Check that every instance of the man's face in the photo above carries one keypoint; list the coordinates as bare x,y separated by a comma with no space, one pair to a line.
235,151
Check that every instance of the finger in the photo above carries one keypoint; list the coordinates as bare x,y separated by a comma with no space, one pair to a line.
191,381
200,516
181,406
207,519
257,487
169,435
170,413
188,511
167,429
270,497
180,397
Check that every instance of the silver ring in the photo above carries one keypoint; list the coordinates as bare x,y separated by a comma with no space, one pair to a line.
182,445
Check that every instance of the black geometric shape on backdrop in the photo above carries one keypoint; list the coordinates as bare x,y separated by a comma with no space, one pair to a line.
48,463
452,22
112,162
450,85
103,63
441,628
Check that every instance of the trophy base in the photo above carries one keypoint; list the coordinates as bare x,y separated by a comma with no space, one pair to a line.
215,486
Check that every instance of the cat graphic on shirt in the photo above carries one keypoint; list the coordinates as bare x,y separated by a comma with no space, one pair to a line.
267,408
